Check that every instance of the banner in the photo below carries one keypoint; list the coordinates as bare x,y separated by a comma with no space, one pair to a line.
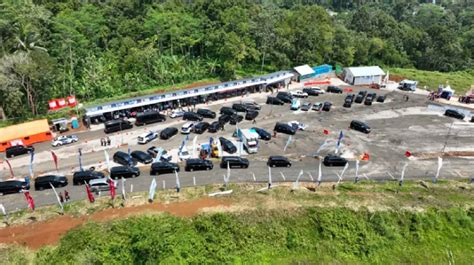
219,147
123,189
194,145
287,143
2,208
402,177
319,172
57,198
80,159
10,167
269,177
357,171
440,165
90,196
338,144
178,184
29,199
151,193
107,160
344,169
55,160
112,188
31,163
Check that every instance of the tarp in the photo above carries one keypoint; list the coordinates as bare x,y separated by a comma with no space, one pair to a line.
23,130
304,70
365,71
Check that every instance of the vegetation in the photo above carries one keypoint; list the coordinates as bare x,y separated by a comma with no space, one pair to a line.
101,49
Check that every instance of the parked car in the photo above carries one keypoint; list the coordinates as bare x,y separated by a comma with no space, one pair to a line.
97,185
313,91
334,161
228,111
163,168
168,133
263,134
234,119
227,145
381,98
154,151
187,127
299,94
81,177
359,98
274,101
278,161
334,89
13,186
42,182
125,172
147,137
123,159
198,164
285,97
223,119
348,101
369,99
317,106
149,117
184,154
359,126
251,115
142,157
176,114
251,105
284,128
306,106
18,150
297,125
234,161
327,106
239,107
214,127
206,113
117,125
191,116
64,140
295,104
454,113
472,119
201,127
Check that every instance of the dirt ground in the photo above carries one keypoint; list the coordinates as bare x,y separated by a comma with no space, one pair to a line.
39,234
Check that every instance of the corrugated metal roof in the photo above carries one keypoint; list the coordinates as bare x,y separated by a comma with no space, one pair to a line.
23,130
304,70
365,71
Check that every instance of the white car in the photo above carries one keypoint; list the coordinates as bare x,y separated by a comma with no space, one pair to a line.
176,114
101,184
295,104
148,137
63,140
297,125
187,127
299,94
155,151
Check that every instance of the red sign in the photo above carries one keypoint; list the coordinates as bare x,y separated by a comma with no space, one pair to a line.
52,104
71,101
61,102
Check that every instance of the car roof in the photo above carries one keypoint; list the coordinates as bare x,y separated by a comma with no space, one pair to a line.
95,181
278,158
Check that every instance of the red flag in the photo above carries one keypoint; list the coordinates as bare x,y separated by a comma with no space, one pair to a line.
326,132
55,159
112,188
11,169
407,153
89,194
29,199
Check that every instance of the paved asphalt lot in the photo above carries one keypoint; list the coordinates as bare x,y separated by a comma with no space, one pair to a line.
397,126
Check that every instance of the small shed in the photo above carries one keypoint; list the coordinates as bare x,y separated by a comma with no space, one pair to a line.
363,75
303,72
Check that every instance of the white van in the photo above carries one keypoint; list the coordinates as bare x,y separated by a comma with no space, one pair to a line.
187,127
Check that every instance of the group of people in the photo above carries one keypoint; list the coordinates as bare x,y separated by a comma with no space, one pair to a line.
66,197
105,141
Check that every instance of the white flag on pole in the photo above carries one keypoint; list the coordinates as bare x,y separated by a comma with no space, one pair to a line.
219,147
2,208
402,177
123,188
440,165
151,193
319,172
344,169
287,143
269,176
57,197
194,145
357,171
107,160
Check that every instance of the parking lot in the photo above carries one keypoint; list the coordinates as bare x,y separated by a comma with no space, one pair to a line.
397,126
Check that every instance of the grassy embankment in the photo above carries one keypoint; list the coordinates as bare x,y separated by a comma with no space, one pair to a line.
460,81
356,224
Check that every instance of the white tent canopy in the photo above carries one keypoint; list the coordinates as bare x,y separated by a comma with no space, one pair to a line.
365,71
448,89
304,70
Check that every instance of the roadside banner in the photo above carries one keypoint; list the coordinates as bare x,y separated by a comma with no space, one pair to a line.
2,208
402,176
297,182
338,144
344,169
440,165
357,172
57,198
90,196
319,172
287,143
178,184
219,147
107,160
32,158
112,188
29,200
10,167
80,159
269,177
123,189
151,193
55,160
194,145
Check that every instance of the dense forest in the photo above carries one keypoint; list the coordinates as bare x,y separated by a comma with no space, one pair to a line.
97,49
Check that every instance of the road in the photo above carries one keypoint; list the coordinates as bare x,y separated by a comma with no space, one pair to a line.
397,126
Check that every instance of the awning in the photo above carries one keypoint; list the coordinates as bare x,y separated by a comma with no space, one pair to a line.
304,70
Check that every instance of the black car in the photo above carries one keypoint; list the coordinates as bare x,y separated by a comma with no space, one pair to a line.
251,105
201,127
17,150
369,99
348,101
327,106
81,177
117,125
312,91
163,168
124,172
142,157
191,116
123,159
223,119
234,119
168,133
214,127
334,89
13,186
472,119
334,161
381,99
198,164
42,182
234,161
227,111
281,127
227,145
274,101
264,135
285,97
359,126
149,117
206,113
278,161
454,113
239,107
359,99
251,115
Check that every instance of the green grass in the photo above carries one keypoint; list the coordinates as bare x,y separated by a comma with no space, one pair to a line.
460,81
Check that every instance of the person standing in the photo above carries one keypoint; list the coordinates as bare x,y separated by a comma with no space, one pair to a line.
66,195
61,198
108,140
